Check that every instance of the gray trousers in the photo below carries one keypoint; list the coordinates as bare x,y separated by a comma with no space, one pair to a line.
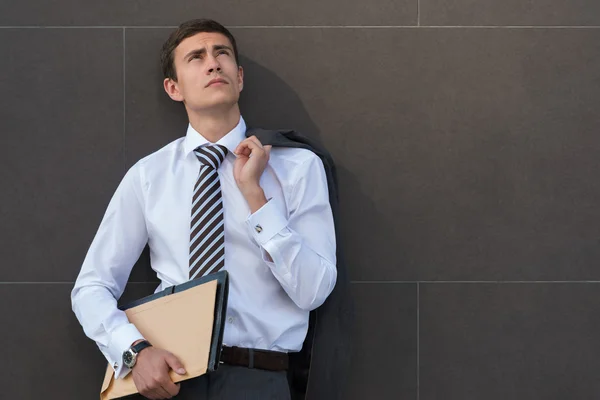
236,383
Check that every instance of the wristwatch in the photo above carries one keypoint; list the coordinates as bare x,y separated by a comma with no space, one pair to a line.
130,355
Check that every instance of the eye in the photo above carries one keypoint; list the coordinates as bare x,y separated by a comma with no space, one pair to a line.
222,52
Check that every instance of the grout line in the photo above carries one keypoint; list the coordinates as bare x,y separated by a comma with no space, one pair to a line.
495,282
353,282
59,27
418,12
326,27
418,343
60,283
37,283
124,106
409,26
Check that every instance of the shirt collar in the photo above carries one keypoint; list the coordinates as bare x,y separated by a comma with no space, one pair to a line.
194,139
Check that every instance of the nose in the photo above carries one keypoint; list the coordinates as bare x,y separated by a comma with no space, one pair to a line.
213,65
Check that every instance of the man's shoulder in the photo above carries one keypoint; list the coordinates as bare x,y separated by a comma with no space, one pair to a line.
165,154
293,165
293,156
289,147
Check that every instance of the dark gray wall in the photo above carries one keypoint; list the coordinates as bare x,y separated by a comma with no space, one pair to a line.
466,134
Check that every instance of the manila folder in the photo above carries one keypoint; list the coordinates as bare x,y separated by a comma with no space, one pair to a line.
181,323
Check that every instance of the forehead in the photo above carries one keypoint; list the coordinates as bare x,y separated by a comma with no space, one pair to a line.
201,40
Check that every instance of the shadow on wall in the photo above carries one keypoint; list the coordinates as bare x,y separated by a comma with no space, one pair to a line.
269,102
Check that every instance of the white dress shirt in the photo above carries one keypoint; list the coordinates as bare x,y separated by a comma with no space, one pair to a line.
269,302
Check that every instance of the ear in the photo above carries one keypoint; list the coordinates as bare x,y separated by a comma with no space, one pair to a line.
172,89
240,77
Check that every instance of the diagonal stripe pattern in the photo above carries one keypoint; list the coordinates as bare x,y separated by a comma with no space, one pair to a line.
207,233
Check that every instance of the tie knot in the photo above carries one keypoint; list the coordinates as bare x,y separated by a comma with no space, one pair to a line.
211,155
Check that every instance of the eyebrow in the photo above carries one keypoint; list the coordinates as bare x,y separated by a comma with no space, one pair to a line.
201,51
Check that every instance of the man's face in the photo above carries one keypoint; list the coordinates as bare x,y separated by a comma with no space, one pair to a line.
207,74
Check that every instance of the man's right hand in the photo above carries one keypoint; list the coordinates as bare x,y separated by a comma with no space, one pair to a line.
151,373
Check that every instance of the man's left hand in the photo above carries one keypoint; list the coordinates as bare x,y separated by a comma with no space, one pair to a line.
252,158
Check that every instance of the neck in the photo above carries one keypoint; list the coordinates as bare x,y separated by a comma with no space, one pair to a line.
213,125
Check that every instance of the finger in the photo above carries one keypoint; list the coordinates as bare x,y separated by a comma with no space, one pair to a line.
268,150
251,145
242,150
157,382
162,393
171,388
249,142
240,147
150,394
174,363
255,140
146,391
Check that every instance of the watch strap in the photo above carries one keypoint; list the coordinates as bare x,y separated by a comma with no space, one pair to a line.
140,346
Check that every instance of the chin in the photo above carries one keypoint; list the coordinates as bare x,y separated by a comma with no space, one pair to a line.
223,103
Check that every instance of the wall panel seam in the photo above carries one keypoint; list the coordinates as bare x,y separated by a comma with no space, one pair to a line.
321,27
418,342
124,107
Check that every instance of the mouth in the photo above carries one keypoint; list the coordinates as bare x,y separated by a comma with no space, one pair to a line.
217,81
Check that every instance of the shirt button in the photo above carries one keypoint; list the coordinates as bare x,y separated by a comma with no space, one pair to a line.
258,228
230,319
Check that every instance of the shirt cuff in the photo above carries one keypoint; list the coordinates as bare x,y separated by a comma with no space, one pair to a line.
267,222
121,339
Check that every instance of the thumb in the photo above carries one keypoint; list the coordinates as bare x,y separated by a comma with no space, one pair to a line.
175,364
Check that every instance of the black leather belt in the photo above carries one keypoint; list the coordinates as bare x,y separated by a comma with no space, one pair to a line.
254,358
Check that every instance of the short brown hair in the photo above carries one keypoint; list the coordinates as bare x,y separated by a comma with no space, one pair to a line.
184,31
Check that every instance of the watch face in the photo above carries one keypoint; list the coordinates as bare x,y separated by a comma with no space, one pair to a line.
127,358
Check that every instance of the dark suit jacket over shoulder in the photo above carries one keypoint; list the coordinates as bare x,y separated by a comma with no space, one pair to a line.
320,370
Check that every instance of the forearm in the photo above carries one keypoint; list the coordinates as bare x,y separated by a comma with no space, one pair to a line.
296,233
117,245
305,270
96,309
255,197
307,277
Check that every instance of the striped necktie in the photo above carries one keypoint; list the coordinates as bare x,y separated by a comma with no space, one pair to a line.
207,234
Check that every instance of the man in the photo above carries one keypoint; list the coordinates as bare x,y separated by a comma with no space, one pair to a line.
214,199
